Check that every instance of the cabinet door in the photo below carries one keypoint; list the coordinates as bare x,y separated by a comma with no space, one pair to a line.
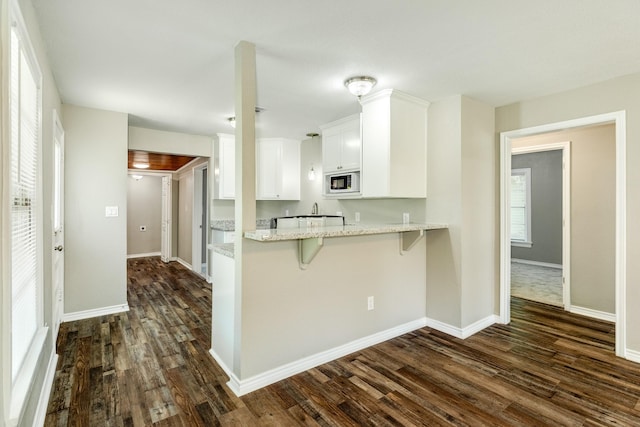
269,177
290,170
351,145
331,150
227,168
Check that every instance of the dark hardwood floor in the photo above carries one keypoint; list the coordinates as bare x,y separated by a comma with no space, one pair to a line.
151,366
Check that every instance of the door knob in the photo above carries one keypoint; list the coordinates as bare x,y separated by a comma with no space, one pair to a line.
58,248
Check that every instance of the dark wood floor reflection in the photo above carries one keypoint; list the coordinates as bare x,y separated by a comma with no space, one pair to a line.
151,366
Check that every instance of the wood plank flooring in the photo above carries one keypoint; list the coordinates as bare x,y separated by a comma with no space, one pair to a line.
151,366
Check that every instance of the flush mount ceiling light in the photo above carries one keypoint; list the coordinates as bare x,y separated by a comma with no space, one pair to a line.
360,85
141,165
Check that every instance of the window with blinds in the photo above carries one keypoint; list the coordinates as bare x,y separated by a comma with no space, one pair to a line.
27,325
521,205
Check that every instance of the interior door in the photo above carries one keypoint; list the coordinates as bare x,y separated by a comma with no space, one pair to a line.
165,241
58,224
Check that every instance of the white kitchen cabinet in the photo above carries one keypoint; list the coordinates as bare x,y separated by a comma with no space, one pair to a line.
394,148
224,150
341,145
277,169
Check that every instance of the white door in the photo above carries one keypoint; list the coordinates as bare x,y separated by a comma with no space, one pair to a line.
199,235
58,223
165,240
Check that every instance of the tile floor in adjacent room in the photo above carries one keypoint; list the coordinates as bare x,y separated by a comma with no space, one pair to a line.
536,283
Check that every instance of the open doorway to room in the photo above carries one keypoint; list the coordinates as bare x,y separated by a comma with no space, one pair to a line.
540,223
597,213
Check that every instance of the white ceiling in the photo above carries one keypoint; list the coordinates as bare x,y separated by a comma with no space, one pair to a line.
169,63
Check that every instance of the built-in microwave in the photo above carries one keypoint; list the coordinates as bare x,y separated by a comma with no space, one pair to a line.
343,182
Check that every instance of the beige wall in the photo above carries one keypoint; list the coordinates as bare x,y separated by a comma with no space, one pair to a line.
144,207
479,263
444,205
158,141
613,95
288,313
50,101
96,177
593,172
461,261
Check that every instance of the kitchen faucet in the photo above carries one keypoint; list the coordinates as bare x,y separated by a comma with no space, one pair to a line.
314,209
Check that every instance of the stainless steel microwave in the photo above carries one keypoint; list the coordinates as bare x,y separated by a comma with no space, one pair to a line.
343,182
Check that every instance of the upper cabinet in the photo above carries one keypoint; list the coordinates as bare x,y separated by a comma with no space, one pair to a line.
224,153
394,145
278,169
341,145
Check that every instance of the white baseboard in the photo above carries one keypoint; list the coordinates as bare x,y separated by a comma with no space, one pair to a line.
609,317
242,387
87,314
632,355
536,263
184,263
465,332
45,393
143,255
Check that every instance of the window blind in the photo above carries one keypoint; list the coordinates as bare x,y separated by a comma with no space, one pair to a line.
520,183
25,121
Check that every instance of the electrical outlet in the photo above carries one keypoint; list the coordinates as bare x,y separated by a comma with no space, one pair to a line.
357,216
405,218
286,212
370,303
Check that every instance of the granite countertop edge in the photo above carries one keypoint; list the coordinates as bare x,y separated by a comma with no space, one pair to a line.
336,231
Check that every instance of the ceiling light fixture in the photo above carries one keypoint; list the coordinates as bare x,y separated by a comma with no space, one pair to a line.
311,174
141,165
137,177
360,85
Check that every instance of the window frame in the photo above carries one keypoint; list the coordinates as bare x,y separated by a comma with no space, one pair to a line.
20,385
527,242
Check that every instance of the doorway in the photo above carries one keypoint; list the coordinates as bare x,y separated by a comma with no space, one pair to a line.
58,224
541,227
506,139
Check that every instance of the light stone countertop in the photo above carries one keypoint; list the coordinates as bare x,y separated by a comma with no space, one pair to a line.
226,249
230,224
336,231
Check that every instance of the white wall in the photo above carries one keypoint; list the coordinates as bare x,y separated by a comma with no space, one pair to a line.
613,95
144,208
96,177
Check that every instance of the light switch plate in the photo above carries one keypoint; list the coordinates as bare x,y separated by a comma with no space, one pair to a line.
111,211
